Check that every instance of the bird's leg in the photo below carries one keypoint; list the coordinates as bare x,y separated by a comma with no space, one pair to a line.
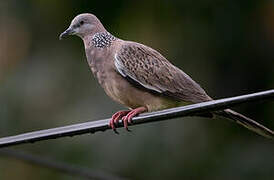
115,119
128,118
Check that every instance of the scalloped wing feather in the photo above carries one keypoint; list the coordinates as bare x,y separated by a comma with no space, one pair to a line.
151,70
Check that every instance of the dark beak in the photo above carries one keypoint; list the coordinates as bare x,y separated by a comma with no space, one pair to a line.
68,32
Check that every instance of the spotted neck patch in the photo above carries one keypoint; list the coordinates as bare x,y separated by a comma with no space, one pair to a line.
102,39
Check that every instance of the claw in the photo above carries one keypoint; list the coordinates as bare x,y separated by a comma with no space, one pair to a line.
111,124
126,117
115,131
115,119
125,122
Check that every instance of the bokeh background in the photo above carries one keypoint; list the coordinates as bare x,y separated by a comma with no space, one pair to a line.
227,46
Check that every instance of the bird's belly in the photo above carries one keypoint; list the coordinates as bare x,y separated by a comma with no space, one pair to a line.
121,91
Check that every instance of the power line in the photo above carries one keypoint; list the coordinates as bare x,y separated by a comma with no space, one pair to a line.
58,166
102,125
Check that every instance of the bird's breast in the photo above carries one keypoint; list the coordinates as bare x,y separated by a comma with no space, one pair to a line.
97,62
119,88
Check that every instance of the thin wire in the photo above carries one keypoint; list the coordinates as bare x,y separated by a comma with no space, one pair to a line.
102,125
59,166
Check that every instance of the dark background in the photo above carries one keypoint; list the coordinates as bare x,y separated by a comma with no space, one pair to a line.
227,46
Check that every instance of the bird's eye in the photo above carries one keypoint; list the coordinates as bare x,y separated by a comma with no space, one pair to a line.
81,22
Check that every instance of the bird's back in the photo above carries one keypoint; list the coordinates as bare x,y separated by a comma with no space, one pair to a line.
148,68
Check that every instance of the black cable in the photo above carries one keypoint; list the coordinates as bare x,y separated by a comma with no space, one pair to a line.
102,125
57,165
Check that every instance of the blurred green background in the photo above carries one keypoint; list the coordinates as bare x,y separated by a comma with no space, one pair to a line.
227,46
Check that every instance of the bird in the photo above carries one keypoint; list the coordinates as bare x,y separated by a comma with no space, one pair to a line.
140,78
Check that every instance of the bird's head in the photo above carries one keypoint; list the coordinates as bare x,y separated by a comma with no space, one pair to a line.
83,25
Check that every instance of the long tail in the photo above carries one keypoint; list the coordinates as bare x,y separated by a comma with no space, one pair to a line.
246,122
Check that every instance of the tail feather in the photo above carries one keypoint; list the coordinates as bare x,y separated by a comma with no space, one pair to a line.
247,122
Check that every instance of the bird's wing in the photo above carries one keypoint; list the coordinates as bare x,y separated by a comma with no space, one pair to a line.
148,68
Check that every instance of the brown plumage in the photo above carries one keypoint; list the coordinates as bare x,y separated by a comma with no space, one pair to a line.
141,78
153,71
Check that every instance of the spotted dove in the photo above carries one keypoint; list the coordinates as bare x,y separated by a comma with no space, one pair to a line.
139,77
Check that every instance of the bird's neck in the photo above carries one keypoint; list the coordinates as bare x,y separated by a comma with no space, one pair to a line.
97,48
101,40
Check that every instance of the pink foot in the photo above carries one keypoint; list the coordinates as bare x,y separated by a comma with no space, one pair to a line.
115,119
128,118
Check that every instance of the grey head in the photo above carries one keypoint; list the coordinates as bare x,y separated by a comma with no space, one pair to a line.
84,25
